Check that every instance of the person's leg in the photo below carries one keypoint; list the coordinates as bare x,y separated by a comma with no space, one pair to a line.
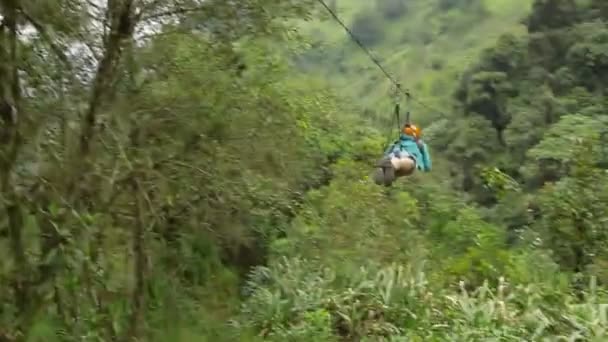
392,167
385,172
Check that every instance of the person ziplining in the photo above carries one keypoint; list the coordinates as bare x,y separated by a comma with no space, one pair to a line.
403,157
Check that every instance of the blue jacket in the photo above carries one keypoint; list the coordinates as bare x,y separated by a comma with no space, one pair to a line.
418,150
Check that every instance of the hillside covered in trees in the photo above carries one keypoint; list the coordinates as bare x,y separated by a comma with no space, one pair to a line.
188,170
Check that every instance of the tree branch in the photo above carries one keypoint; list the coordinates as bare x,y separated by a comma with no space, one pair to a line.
122,26
172,12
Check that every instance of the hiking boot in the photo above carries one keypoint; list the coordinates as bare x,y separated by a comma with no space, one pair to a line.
388,172
378,176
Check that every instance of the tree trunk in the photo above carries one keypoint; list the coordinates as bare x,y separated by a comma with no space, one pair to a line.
139,269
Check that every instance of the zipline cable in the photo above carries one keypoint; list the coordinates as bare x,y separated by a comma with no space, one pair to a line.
356,40
375,61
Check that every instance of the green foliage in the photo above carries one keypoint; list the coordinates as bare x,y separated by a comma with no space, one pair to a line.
584,143
552,14
392,9
461,4
159,187
352,221
294,299
548,116
367,27
526,146
574,218
132,203
499,181
476,249
588,57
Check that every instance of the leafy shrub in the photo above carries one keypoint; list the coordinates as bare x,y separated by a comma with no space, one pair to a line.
298,301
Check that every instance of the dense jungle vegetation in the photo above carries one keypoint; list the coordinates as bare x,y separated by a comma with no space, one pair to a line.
189,170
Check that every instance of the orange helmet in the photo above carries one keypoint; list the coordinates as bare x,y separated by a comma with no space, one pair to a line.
412,130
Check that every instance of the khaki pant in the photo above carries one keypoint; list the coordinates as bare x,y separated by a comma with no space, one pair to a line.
403,166
391,168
